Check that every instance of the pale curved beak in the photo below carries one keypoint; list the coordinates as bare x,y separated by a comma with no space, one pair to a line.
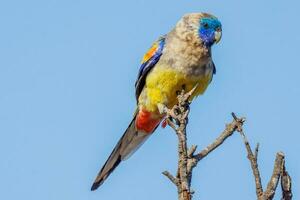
218,36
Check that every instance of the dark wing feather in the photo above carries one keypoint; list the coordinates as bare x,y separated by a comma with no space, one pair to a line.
132,138
214,68
149,60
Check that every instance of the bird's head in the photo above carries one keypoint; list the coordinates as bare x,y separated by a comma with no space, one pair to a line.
205,27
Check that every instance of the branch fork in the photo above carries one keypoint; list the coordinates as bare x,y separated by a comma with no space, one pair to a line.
279,171
177,119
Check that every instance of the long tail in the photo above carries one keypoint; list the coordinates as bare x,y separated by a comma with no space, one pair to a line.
129,142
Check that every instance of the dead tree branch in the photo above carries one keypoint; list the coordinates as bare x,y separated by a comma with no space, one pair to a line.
279,171
286,184
177,119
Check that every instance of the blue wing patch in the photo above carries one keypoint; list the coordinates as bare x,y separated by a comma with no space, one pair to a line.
148,62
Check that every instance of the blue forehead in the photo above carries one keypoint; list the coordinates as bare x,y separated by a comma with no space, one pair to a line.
212,22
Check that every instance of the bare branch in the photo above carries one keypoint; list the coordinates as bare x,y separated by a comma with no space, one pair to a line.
177,119
191,151
278,171
186,158
272,185
286,184
171,178
179,114
229,130
171,124
256,151
254,165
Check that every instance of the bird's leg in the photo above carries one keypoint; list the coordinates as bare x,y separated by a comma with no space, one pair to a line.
170,115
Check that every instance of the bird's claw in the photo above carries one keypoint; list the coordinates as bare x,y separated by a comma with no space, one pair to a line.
162,109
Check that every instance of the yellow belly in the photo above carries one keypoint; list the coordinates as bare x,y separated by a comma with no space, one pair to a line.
162,84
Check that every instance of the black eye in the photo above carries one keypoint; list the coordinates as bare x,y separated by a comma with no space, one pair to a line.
205,25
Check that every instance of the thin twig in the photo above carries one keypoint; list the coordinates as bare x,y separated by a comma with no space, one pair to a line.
229,130
191,151
253,161
256,151
171,177
171,124
278,171
286,184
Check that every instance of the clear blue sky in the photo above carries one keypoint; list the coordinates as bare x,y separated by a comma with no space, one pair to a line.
67,72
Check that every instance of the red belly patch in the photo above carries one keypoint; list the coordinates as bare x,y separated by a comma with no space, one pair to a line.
146,122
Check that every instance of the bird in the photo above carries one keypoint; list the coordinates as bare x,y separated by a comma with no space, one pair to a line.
181,58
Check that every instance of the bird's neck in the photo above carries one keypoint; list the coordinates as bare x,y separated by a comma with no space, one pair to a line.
190,40
186,49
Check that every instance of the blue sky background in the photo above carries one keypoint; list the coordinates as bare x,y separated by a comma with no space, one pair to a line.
67,72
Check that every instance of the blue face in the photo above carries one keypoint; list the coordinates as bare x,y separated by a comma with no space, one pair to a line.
210,30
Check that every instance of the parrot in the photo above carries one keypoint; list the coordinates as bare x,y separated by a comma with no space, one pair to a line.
181,58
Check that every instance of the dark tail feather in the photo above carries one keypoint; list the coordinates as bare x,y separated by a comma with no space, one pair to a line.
128,143
101,177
